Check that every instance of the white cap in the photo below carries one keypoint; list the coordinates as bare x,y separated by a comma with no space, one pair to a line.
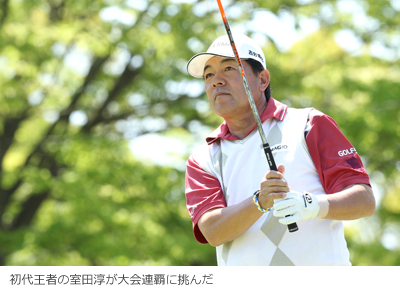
246,47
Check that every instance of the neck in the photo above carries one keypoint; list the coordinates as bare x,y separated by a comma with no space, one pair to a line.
241,126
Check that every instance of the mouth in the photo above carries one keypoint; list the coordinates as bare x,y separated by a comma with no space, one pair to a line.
221,93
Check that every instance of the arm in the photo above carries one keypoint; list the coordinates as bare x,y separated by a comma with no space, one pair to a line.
349,195
354,202
342,175
203,193
336,160
222,225
225,224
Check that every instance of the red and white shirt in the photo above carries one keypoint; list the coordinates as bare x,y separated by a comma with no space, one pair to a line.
227,170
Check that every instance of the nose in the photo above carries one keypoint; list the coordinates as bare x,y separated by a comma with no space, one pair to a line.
218,80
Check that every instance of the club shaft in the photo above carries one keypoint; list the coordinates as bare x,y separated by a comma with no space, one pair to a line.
270,159
267,150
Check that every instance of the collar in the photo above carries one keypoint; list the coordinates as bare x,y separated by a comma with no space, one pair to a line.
274,109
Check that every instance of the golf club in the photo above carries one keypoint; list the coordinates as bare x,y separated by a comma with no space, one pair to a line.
267,150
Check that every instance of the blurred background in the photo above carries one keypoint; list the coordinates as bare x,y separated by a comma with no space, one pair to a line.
98,116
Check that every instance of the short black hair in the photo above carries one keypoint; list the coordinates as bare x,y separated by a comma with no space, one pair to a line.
257,67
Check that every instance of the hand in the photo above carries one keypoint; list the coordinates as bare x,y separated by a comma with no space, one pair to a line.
273,187
296,206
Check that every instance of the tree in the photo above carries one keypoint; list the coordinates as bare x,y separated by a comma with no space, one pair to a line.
75,86
80,79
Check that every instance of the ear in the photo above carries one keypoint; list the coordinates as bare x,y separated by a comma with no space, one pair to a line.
264,79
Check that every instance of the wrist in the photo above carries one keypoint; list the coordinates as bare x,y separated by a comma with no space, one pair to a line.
323,205
257,202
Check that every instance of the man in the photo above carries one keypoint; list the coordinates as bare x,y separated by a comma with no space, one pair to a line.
239,205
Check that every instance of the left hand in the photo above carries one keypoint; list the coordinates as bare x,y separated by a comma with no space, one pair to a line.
297,206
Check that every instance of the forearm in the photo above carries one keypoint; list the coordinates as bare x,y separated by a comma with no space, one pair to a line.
354,202
223,225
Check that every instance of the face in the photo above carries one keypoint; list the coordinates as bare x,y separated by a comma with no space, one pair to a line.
225,90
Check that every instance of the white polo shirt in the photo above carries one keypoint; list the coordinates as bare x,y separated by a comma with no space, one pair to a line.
232,169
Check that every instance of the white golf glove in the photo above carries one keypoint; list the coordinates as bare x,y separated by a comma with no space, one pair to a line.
296,206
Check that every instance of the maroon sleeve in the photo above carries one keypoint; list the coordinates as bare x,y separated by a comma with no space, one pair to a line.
335,158
203,193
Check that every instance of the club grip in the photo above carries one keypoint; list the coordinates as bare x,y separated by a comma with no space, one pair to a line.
293,227
272,165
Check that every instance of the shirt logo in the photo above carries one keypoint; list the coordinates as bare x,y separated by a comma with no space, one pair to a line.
275,149
347,152
279,148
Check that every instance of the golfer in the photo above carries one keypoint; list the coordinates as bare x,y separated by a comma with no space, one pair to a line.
238,204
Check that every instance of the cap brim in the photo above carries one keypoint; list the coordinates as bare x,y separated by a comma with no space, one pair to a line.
195,66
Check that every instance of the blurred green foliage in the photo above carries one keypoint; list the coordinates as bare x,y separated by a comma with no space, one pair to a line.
80,79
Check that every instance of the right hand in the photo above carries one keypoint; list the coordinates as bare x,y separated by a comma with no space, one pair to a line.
273,186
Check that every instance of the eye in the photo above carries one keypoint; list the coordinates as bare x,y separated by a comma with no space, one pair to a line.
208,75
229,68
